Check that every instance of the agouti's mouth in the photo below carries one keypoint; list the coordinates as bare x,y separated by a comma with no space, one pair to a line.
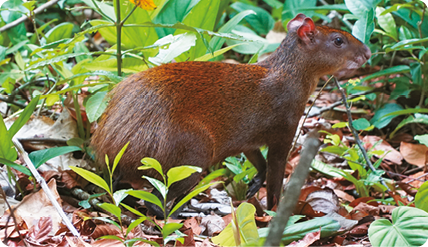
352,65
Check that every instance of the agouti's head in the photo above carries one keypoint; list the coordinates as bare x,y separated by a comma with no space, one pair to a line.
337,51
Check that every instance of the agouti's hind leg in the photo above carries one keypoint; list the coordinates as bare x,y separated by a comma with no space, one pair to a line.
256,158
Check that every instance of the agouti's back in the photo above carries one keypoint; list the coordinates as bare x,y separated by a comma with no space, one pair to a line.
199,113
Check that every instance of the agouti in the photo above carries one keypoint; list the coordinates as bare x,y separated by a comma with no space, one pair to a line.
199,113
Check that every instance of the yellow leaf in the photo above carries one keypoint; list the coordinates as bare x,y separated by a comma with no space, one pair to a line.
144,4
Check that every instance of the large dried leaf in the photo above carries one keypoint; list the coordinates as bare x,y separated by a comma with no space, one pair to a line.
389,152
415,154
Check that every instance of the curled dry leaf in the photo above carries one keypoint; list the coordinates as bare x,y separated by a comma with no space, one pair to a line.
415,154
309,239
389,152
324,200
193,223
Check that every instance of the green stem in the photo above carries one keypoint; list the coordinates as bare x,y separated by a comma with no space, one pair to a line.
119,39
129,14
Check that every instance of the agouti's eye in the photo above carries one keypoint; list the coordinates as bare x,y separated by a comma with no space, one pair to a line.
338,41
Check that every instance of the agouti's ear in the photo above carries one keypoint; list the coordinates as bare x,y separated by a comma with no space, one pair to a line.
306,31
296,22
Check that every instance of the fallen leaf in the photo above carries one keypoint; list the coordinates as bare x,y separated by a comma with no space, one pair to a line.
415,154
389,152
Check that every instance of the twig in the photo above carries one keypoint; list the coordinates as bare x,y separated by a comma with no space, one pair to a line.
291,194
24,18
355,134
12,214
44,186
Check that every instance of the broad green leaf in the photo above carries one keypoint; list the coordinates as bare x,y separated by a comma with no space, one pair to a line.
59,32
386,22
416,72
379,120
111,208
420,118
101,8
327,225
361,124
423,139
132,210
213,175
407,42
91,177
51,99
202,15
262,21
247,228
421,198
118,157
408,228
15,166
169,228
48,61
364,27
189,196
359,7
334,150
407,111
216,42
7,149
41,156
292,8
161,187
95,105
119,195
151,163
134,224
146,196
178,44
23,117
179,173
209,56
129,65
254,43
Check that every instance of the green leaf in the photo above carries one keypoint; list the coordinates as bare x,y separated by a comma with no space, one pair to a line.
361,124
23,117
41,156
213,175
209,56
96,105
292,8
407,111
119,156
146,196
262,21
189,196
399,69
423,139
379,120
247,228
119,195
134,224
7,149
178,44
421,198
103,8
169,228
15,166
161,187
151,163
420,118
179,173
416,72
408,228
111,208
91,177
327,225
132,210
202,15
216,42
386,22
364,27
59,32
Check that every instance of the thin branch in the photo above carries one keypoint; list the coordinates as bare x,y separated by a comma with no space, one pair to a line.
24,18
44,186
291,194
355,134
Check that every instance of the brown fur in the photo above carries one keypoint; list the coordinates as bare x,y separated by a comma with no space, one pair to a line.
199,113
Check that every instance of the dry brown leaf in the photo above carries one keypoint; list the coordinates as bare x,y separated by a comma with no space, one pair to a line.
212,224
415,154
417,179
325,201
189,240
108,229
107,243
39,233
38,205
344,196
307,240
193,223
389,152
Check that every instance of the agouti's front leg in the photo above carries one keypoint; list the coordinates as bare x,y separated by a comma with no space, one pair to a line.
276,161
256,158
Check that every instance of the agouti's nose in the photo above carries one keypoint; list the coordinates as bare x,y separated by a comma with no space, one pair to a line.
367,52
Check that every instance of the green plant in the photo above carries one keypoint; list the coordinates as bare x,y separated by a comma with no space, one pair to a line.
366,178
408,228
